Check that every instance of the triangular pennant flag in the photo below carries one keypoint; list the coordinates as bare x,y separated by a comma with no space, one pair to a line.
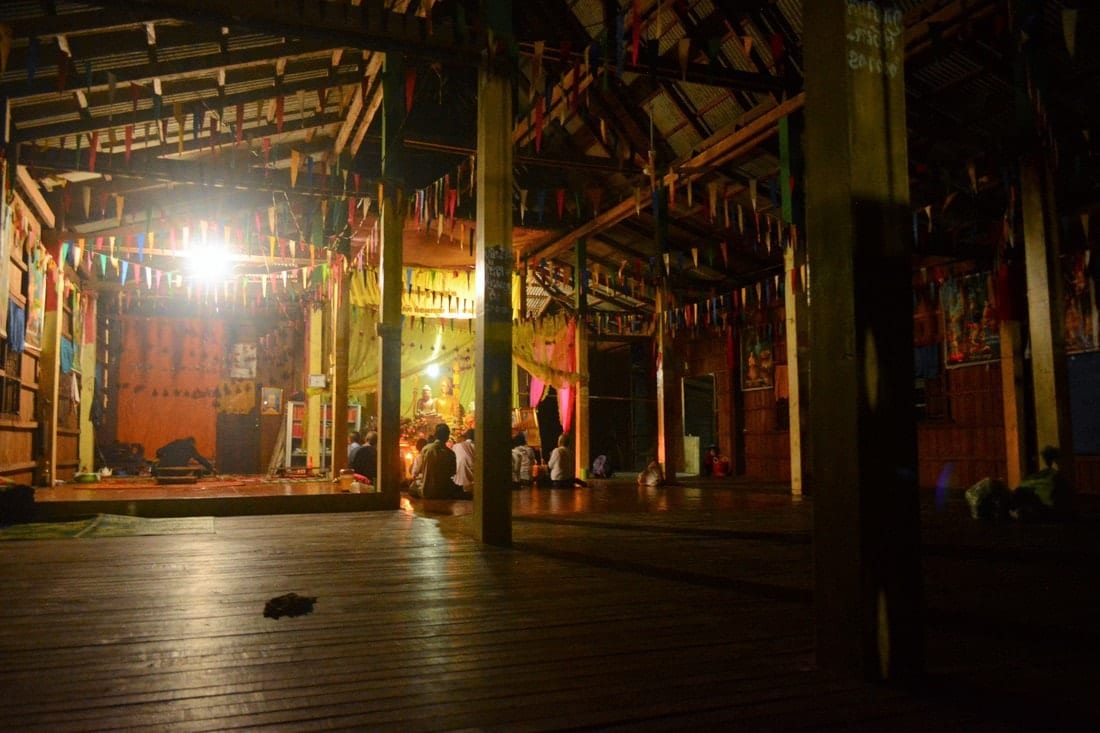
1069,30
683,52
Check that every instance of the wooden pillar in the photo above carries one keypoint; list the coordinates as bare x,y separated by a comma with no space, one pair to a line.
665,417
580,346
794,216
1042,253
493,343
341,284
867,573
49,367
315,355
390,468
86,448
794,402
1012,399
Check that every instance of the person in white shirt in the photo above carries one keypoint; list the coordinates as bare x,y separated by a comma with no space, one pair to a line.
464,461
523,457
562,466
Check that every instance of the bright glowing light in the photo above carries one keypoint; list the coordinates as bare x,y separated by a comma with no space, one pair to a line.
209,263
432,370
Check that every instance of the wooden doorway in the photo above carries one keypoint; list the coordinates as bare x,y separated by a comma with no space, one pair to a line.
238,443
700,419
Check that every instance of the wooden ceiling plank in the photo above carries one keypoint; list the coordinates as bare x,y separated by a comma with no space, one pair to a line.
25,131
764,125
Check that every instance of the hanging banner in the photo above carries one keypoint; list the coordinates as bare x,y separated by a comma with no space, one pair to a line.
1080,313
36,298
971,326
757,359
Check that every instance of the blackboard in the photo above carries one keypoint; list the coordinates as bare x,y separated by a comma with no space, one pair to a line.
498,283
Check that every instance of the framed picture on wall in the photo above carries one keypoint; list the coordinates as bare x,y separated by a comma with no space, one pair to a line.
271,401
757,360
243,364
971,325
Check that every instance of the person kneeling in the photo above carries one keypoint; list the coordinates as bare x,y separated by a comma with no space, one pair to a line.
179,454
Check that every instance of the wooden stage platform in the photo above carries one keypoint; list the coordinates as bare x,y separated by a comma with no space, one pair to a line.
618,608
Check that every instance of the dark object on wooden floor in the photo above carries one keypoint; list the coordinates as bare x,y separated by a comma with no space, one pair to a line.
16,503
291,604
177,474
124,459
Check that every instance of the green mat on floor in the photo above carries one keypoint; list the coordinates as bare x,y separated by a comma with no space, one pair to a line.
108,525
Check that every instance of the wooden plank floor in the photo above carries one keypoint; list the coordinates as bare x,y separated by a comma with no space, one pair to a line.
679,609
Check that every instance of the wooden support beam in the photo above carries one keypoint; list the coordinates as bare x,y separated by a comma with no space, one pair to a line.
390,281
492,520
867,571
734,144
34,197
1042,258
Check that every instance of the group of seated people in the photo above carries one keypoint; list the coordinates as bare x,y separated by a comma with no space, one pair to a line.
444,469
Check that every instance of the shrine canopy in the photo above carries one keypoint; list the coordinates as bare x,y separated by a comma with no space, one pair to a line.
437,338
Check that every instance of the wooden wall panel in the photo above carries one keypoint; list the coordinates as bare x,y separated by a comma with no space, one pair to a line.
968,444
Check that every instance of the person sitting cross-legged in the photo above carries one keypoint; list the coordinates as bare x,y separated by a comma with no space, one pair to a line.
439,466
562,466
365,459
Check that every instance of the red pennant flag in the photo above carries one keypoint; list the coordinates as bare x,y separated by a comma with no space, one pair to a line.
62,71
279,106
636,32
575,97
560,193
595,195
410,87
539,112
92,151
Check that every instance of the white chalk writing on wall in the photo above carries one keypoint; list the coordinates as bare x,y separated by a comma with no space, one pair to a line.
874,38
498,283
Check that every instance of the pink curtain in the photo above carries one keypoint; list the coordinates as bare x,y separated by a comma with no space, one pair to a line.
565,407
538,390
566,391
